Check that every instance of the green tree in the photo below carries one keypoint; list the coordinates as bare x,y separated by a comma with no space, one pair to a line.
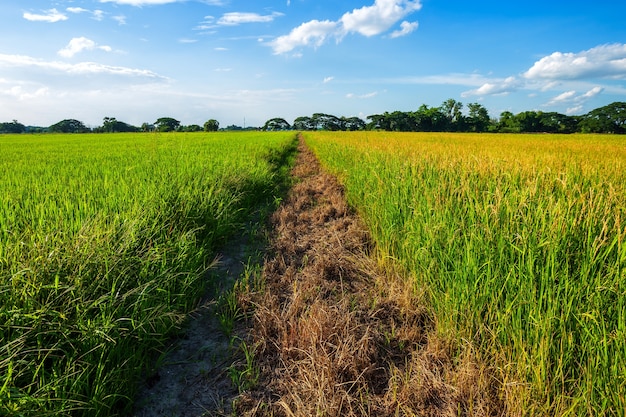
352,123
453,116
111,125
508,123
12,127
429,119
276,123
211,125
323,121
69,126
607,119
191,128
167,124
304,123
478,118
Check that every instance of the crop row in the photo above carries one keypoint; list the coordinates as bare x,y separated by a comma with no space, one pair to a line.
520,243
105,243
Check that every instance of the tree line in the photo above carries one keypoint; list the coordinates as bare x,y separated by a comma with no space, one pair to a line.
449,117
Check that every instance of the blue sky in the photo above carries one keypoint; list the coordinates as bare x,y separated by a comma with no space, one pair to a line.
138,60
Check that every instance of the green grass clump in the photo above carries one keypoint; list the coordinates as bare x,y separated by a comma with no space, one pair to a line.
105,241
521,244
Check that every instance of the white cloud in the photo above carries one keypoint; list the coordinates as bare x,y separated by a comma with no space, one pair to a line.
237,18
81,68
571,97
604,61
375,19
495,87
77,45
366,21
185,40
566,96
76,10
405,29
328,79
50,16
314,33
593,92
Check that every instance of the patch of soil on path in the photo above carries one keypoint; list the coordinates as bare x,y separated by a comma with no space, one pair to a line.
334,335
190,379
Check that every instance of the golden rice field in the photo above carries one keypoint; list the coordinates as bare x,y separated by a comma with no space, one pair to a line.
105,243
520,242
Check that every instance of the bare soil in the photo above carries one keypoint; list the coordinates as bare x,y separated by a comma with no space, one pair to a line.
333,332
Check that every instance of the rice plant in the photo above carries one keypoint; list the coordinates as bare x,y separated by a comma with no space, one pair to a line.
105,241
520,243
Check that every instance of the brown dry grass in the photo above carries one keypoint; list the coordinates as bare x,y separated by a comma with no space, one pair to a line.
336,336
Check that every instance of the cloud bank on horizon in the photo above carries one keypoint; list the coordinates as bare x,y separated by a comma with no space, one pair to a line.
225,58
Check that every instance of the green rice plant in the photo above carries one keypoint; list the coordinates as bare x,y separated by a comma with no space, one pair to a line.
105,241
520,242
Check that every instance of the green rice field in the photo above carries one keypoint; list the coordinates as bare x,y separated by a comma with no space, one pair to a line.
520,242
105,243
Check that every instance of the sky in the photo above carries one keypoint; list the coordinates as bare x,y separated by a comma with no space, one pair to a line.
244,62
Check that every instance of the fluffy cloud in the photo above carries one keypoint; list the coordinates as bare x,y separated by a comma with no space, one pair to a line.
375,19
50,16
314,33
236,18
77,45
405,29
572,97
566,96
366,21
76,10
505,86
604,61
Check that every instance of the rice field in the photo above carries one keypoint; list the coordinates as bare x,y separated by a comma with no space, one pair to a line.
105,244
519,242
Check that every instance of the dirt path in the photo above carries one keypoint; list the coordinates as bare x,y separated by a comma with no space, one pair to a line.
191,379
334,335
331,333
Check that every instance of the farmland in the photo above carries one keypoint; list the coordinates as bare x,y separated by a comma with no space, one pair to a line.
105,241
520,244
515,242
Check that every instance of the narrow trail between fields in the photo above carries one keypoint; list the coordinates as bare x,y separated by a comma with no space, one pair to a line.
331,332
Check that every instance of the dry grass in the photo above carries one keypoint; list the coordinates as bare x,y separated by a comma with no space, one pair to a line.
335,336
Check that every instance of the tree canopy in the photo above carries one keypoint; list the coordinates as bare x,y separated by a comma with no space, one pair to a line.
12,127
276,124
112,125
167,124
211,125
69,126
